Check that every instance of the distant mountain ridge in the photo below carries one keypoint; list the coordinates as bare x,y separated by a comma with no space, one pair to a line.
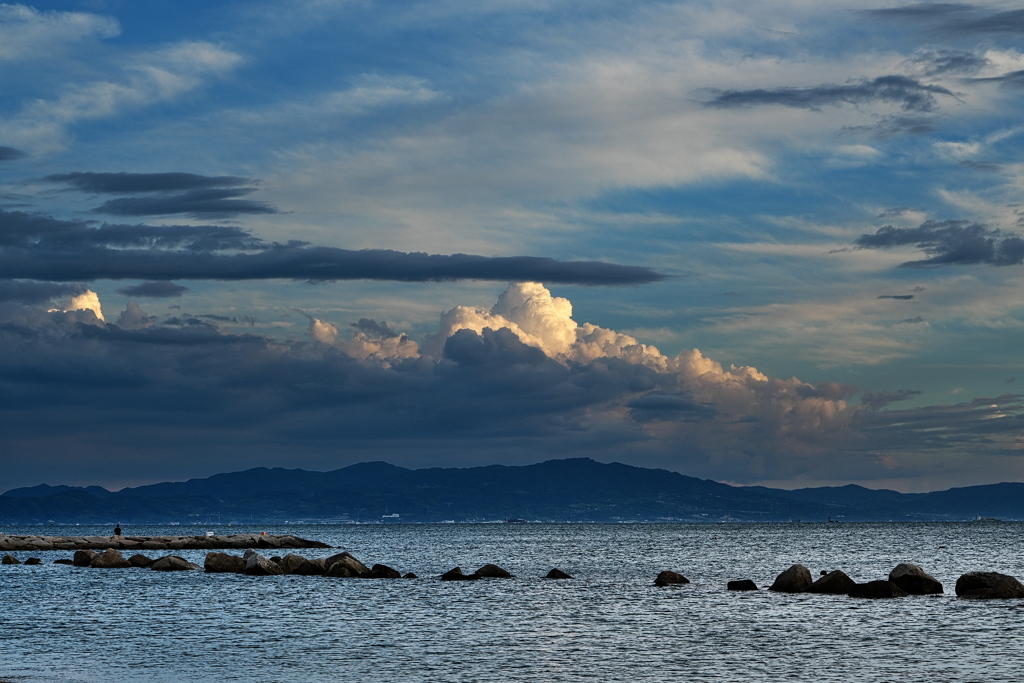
575,489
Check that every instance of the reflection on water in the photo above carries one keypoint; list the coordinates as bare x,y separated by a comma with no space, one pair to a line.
610,623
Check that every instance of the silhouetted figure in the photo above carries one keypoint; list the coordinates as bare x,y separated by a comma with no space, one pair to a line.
117,529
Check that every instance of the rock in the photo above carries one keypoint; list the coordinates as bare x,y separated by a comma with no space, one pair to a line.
742,585
311,568
988,586
258,565
83,558
877,590
344,565
914,580
493,571
276,559
457,575
381,571
109,559
833,583
64,560
290,562
667,578
173,563
141,561
557,574
222,563
410,575
33,560
10,559
796,579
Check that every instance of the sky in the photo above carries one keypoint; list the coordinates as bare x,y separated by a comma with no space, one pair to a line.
773,243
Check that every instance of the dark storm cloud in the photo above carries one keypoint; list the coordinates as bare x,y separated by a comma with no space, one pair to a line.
158,289
880,399
911,95
38,247
36,292
950,243
167,194
11,154
898,297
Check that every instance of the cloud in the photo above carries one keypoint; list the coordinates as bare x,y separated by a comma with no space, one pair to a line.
38,247
911,95
158,289
880,399
36,292
935,62
11,154
27,33
898,297
168,193
951,242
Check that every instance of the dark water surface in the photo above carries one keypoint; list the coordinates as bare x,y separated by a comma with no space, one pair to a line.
60,623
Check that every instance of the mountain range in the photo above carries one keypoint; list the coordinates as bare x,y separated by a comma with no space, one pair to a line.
569,490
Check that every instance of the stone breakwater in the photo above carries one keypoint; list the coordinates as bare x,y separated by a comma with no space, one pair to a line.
231,542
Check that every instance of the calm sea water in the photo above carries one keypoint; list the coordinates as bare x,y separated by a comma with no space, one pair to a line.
61,623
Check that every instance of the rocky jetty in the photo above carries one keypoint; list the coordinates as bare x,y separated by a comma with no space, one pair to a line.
915,580
140,543
988,586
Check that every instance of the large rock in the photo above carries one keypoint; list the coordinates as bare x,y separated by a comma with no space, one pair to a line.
290,562
10,559
742,585
876,590
83,558
33,560
173,563
312,568
109,559
493,571
988,586
557,574
381,571
833,583
344,565
141,561
667,578
914,580
223,563
796,579
457,575
258,565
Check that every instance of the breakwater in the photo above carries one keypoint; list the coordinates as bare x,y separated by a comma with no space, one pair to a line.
140,543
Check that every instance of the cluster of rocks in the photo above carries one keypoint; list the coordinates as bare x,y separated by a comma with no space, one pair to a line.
905,579
140,543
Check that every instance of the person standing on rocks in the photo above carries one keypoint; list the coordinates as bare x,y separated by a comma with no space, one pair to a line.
117,529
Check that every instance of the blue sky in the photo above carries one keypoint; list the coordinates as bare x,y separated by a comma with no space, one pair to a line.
828,193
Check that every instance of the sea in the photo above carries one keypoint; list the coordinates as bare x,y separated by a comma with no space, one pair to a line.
609,623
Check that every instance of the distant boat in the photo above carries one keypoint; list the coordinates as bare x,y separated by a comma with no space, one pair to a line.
986,519
514,521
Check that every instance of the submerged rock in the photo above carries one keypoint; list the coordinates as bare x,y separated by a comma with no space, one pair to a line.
833,583
223,563
410,575
492,571
988,586
796,579
557,574
10,559
667,578
109,559
742,585
876,590
457,575
33,560
173,563
915,580
64,560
